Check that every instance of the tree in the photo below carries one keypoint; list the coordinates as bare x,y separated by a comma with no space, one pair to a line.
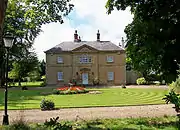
128,63
3,6
34,75
24,19
42,68
153,36
23,67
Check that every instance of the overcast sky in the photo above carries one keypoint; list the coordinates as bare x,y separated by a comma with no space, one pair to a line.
87,17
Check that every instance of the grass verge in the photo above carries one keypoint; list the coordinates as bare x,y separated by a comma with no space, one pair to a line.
163,123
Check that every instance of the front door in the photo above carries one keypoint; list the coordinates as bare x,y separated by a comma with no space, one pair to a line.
84,78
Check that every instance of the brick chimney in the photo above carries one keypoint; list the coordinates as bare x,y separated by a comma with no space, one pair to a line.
122,42
98,36
75,36
79,40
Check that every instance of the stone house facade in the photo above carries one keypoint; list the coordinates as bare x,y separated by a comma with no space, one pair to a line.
86,62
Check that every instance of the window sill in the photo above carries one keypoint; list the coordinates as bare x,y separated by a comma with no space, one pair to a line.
110,62
110,80
86,63
60,80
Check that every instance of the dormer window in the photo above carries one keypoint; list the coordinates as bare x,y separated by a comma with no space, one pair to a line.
59,59
110,59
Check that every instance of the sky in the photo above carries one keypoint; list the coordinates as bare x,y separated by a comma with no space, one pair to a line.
87,17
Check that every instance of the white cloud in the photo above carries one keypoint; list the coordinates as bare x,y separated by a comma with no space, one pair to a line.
111,26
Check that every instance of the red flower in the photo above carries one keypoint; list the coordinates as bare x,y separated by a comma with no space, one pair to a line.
74,88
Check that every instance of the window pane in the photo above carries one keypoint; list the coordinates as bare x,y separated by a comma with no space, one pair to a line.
109,58
60,59
60,75
85,59
110,75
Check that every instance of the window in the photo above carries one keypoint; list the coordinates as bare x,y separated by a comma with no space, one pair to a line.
110,59
85,59
110,76
59,59
60,76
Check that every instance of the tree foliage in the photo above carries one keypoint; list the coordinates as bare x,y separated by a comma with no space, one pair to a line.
24,19
34,75
23,67
42,68
153,36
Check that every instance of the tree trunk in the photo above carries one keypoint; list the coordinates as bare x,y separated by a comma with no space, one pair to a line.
19,82
3,6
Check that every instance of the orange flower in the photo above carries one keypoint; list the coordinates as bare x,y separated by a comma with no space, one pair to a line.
74,88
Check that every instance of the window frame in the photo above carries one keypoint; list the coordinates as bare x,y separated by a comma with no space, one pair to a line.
62,76
109,57
110,76
85,59
60,61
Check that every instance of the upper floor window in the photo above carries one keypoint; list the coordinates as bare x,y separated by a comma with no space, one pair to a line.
85,59
110,59
59,59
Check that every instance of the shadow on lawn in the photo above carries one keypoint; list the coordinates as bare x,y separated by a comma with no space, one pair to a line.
17,99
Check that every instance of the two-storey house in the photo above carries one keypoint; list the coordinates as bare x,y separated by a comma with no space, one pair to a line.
86,62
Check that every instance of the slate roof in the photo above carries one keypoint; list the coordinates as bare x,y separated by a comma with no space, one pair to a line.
99,45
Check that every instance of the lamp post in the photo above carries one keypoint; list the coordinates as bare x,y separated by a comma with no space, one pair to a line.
8,42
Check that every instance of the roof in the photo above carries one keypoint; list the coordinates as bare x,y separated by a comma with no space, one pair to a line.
98,45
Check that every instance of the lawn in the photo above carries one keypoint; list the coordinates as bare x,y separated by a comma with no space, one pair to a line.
18,99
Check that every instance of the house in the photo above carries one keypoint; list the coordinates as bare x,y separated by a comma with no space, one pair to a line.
86,62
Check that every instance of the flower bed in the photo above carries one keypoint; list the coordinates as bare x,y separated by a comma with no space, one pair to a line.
70,90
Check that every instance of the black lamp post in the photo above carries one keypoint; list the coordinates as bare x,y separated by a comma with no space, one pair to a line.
8,42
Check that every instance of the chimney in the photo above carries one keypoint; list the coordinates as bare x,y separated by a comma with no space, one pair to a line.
122,42
75,36
98,36
79,40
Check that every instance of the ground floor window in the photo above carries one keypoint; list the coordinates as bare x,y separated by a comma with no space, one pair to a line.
60,76
110,76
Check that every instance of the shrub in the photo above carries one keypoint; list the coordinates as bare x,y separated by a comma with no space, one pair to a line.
43,84
55,125
157,83
19,125
175,85
141,81
173,98
55,91
51,122
47,105
24,88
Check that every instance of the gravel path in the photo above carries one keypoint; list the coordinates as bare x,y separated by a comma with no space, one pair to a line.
93,113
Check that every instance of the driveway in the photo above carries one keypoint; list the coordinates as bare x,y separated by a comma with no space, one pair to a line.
38,116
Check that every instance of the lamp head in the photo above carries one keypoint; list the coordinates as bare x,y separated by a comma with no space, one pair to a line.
8,41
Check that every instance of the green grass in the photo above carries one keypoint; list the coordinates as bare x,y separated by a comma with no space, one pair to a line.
162,123
30,84
18,99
